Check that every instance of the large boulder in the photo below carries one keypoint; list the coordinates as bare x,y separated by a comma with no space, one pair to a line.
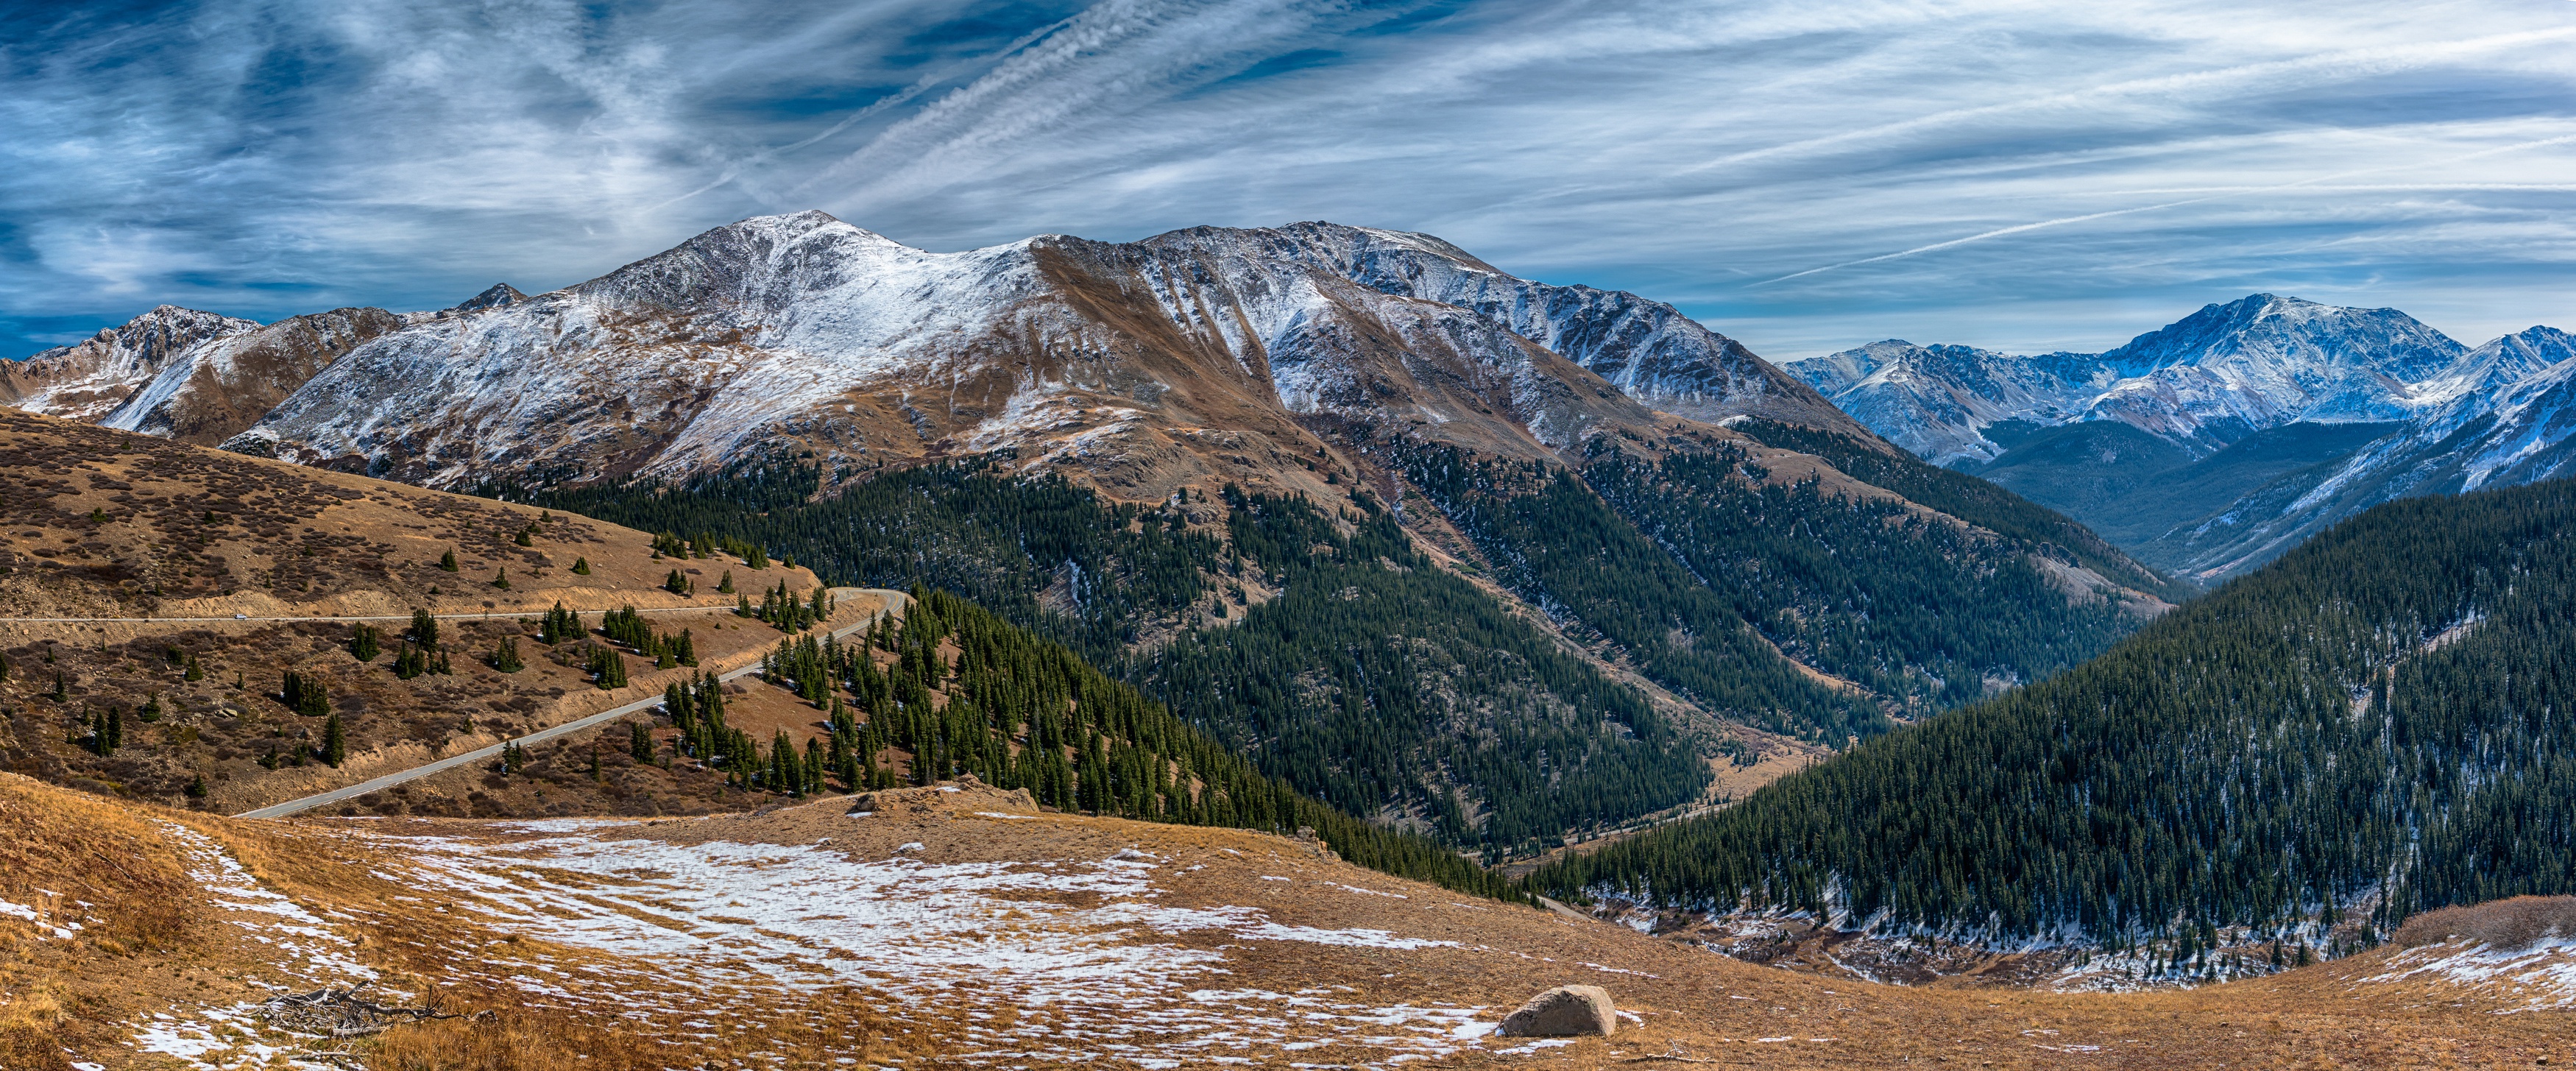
1565,1011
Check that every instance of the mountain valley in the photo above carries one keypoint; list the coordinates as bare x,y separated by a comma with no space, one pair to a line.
2217,443
1270,646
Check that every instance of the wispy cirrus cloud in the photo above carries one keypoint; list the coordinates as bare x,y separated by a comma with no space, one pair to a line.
1805,176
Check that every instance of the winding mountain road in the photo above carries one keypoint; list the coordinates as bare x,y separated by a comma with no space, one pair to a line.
895,602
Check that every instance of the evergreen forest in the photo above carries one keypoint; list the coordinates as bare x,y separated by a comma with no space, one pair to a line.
1373,680
2378,722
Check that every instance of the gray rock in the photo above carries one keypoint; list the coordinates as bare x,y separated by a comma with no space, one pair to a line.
1565,1011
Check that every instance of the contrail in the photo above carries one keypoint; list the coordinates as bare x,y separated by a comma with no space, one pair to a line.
901,96
2018,228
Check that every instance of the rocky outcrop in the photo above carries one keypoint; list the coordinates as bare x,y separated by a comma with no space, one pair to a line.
91,379
210,392
1565,1011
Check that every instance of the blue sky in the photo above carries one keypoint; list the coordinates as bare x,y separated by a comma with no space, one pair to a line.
1803,176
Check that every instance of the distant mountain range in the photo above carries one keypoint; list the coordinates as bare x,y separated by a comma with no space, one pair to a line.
2216,443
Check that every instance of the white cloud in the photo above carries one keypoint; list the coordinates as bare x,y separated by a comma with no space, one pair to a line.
2017,175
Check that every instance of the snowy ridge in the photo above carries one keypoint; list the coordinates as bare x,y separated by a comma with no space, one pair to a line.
2508,419
804,332
89,380
2205,381
2494,415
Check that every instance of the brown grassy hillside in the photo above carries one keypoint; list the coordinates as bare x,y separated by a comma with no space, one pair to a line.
173,587
960,929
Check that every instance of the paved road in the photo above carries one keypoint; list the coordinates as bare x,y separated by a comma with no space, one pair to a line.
894,599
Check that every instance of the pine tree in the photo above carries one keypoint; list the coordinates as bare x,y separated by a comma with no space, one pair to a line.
4,667
725,586
447,561
305,695
195,671
522,538
366,643
424,628
676,584
581,566
62,692
115,727
196,789
150,711
607,667
335,742
501,579
639,741
506,659
560,625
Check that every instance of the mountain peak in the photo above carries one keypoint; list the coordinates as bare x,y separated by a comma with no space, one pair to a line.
493,297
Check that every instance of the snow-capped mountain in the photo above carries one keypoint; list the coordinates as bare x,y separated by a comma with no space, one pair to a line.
2226,391
93,378
2259,362
209,392
1144,363
2203,382
1937,400
2505,430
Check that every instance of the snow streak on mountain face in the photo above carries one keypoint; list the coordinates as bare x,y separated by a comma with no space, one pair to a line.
89,380
1147,363
2223,387
2208,380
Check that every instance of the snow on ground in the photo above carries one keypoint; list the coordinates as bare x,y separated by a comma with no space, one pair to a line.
304,953
2540,977
1082,945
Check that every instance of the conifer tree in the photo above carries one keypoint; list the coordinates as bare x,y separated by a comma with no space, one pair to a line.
581,566
560,625
115,727
4,667
639,741
501,579
424,627
607,667
676,584
335,742
447,561
195,670
506,658
150,711
725,585
365,642
522,538
61,693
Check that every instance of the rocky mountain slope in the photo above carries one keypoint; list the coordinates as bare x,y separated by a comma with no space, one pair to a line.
1188,355
89,380
2213,444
